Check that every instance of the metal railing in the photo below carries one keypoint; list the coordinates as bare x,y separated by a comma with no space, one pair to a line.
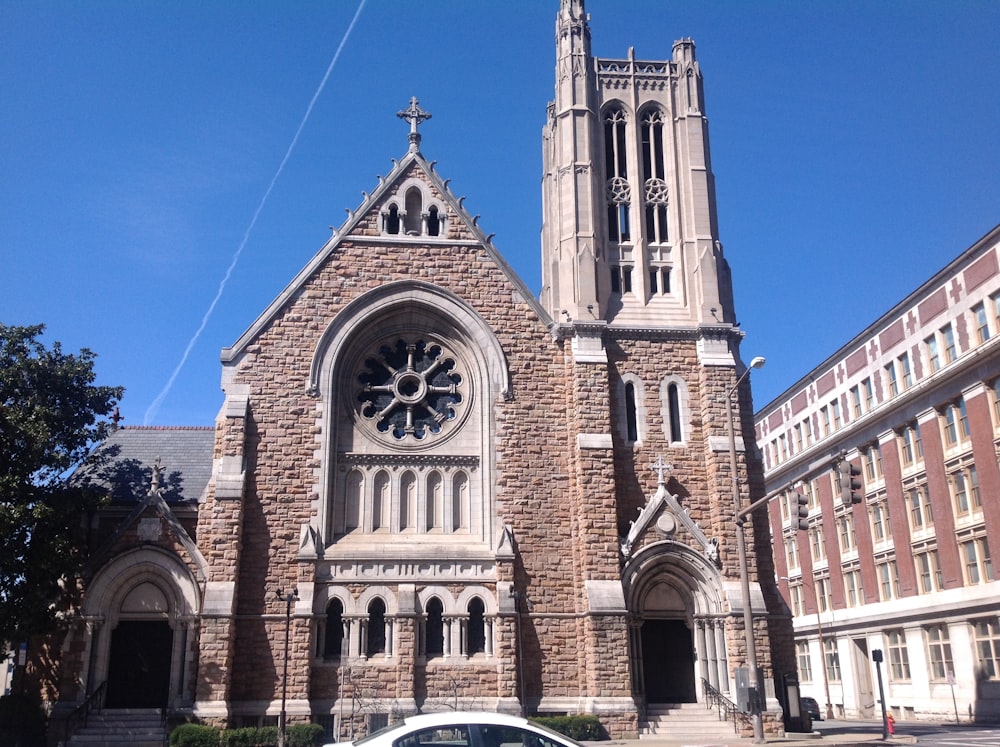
81,714
727,709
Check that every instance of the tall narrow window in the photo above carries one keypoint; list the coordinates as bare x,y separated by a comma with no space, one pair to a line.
333,639
392,220
631,425
616,169
939,652
376,628
434,628
381,502
407,501
433,222
674,401
477,627
414,205
353,499
460,502
655,186
435,501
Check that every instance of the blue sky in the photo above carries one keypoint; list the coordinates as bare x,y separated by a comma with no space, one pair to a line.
855,147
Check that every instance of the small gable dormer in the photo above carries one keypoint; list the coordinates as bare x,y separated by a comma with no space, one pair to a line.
414,211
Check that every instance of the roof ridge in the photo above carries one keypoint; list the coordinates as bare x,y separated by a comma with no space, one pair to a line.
167,427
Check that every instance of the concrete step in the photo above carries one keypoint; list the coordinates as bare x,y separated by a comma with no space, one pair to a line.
139,727
684,721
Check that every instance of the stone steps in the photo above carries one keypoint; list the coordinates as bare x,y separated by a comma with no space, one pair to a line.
685,721
139,727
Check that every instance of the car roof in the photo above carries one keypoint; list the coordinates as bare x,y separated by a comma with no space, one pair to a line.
471,717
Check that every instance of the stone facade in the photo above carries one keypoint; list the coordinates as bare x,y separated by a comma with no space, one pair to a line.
474,498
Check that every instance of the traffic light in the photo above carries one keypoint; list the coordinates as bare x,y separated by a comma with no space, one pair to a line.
800,511
850,484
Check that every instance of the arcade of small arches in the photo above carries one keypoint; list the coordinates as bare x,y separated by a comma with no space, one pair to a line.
447,628
409,217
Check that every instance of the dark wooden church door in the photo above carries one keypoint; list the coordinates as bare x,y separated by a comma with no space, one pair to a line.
668,662
139,665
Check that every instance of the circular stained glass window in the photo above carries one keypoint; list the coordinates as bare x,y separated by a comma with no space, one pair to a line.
410,389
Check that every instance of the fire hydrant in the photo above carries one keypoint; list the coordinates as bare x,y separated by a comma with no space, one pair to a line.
891,724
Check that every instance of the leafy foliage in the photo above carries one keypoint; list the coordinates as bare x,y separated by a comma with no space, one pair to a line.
196,735
51,414
582,727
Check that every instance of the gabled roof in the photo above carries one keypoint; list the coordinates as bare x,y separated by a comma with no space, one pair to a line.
123,465
386,188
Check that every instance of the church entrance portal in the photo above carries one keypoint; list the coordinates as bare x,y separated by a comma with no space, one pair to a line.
139,664
668,662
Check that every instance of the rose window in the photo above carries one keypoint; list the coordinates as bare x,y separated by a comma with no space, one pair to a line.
410,389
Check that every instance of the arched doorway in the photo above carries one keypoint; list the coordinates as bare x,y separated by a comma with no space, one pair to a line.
676,598
667,647
139,664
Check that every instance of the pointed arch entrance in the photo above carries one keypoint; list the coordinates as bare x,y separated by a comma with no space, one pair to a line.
675,599
142,610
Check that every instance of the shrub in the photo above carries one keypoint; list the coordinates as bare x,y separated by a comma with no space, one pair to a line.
251,736
194,735
22,722
304,735
583,727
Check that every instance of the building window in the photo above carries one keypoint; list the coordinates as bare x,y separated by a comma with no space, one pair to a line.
986,633
434,628
845,527
854,592
333,635
616,170
792,550
856,407
804,662
674,405
891,383
798,601
825,416
831,659
835,410
956,423
911,448
996,403
978,563
905,373
655,186
933,354
817,543
476,633
375,628
872,456
869,391
921,517
982,323
928,571
899,660
888,580
950,351
881,529
797,438
965,490
938,652
823,600
631,426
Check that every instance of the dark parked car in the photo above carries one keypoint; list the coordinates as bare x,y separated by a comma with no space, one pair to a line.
810,706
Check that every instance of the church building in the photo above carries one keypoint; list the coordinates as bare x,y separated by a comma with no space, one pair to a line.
428,489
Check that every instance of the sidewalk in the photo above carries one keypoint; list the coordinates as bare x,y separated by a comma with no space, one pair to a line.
816,739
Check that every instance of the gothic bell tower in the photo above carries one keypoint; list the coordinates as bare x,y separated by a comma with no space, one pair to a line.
630,236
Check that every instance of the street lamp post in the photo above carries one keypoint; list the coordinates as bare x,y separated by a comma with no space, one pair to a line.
288,598
741,546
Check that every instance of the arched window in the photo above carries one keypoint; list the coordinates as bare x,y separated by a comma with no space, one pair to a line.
460,502
414,206
654,174
376,628
631,424
616,171
435,501
433,222
408,501
434,628
476,635
392,220
381,501
333,639
674,405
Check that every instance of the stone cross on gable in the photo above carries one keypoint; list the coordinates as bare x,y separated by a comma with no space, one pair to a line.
661,467
414,115
157,473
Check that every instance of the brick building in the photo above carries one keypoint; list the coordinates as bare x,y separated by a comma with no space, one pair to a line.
478,499
913,403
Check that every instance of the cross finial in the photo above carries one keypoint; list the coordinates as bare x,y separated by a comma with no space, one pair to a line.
157,472
661,467
414,115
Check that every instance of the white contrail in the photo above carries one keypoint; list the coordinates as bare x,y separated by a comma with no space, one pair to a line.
154,407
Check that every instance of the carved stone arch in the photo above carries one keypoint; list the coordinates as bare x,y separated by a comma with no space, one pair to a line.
688,570
621,104
637,405
382,592
442,593
150,597
325,594
487,597
678,411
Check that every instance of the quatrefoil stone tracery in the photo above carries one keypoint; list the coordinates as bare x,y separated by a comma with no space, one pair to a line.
410,389
619,191
656,191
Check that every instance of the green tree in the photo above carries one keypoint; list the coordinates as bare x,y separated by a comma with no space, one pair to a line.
51,414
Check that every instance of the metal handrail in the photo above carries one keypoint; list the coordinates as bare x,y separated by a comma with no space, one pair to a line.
728,710
94,701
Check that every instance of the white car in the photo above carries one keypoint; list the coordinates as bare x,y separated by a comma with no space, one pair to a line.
462,729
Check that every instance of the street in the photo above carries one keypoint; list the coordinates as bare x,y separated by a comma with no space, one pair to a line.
939,735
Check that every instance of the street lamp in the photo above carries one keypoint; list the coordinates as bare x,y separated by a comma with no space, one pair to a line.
741,546
288,598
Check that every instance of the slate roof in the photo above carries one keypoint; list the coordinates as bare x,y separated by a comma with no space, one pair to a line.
123,464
